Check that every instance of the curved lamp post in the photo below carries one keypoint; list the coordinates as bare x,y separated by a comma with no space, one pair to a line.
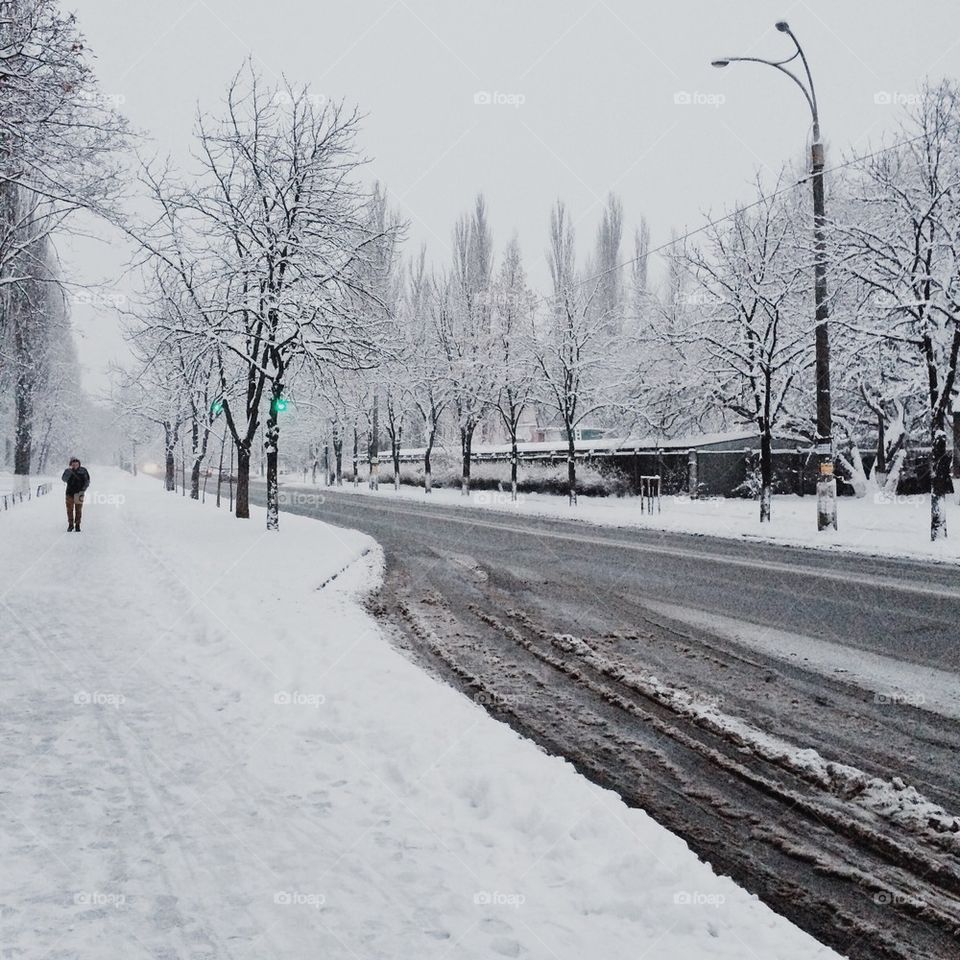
826,484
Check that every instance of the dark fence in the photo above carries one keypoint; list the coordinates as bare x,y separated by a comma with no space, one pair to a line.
725,473
713,473
718,473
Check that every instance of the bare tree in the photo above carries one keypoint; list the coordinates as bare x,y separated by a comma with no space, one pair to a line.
37,317
60,139
277,219
573,348
515,370
750,271
904,247
429,390
463,324
605,268
155,395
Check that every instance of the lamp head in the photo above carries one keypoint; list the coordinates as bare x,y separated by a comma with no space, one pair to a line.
719,63
782,26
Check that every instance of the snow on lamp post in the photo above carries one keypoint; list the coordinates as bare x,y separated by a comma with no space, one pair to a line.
826,484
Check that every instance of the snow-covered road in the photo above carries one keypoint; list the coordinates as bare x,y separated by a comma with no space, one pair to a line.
203,756
546,620
875,525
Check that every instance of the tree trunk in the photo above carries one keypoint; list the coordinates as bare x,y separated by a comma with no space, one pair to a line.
356,457
197,458
338,454
571,469
23,439
396,461
427,451
26,382
271,446
374,478
223,442
514,457
956,444
243,482
881,465
766,475
941,483
170,476
466,451
169,448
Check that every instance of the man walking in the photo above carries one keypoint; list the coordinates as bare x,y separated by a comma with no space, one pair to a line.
77,480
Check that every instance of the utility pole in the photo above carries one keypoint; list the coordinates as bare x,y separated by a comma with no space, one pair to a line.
826,483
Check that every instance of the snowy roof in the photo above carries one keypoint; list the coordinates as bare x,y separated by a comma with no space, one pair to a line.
623,444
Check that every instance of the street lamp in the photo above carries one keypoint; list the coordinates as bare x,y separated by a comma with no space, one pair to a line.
826,484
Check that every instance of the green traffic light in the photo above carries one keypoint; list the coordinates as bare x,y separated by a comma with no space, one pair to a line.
216,408
279,404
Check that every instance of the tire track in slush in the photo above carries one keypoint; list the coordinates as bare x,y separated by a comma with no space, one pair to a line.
853,883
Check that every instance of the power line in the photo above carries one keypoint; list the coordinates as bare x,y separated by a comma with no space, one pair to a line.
734,213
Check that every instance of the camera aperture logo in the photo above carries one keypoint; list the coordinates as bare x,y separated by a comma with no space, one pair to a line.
298,698
488,698
496,898
99,698
104,499
698,898
299,498
696,98
900,698
894,98
893,898
497,498
95,898
495,98
298,898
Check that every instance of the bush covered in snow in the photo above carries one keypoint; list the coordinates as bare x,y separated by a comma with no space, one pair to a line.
531,478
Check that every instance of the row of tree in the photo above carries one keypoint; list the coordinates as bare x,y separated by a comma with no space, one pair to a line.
276,278
59,144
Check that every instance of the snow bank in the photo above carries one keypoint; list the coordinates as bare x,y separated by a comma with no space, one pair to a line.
206,753
17,484
892,799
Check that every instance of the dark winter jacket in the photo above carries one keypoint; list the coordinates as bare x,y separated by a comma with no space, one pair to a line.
77,480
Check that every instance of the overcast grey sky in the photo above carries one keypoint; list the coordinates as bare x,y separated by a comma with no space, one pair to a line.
603,88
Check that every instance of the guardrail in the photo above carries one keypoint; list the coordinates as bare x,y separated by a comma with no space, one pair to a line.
12,499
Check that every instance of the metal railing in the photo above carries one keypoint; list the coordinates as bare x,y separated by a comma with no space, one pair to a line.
649,493
12,499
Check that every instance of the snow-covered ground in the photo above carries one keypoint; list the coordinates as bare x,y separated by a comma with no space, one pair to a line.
9,483
206,754
898,526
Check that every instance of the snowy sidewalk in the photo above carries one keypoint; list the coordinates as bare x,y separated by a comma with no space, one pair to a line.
205,756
